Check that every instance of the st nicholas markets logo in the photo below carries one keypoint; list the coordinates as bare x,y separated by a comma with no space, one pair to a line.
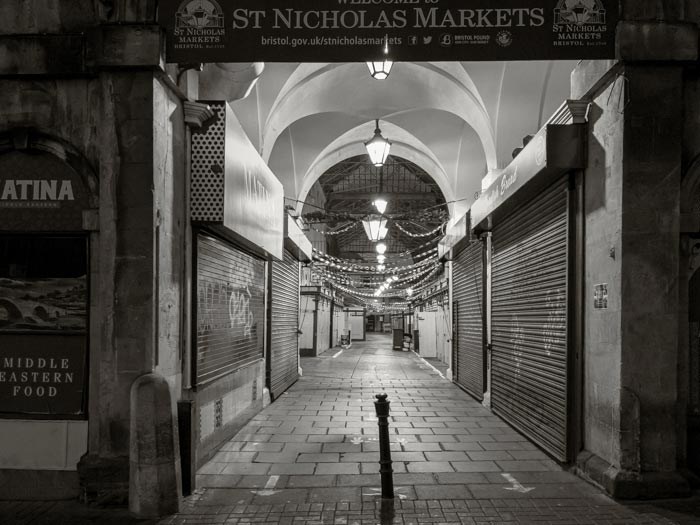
199,24
579,23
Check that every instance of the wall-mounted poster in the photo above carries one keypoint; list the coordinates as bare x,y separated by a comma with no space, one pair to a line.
43,325
600,296
43,283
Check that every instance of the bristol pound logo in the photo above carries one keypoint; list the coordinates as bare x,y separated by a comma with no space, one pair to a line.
504,38
579,23
199,24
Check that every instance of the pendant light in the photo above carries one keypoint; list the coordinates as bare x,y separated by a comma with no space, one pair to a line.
375,227
380,69
378,147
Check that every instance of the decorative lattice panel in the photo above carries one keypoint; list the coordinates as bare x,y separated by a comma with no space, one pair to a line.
207,185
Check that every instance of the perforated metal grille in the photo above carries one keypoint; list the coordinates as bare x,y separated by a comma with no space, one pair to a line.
207,188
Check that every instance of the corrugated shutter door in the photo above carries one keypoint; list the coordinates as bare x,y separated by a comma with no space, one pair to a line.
529,320
284,343
467,294
230,309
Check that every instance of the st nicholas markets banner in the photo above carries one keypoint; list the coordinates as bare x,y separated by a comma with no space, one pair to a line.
411,30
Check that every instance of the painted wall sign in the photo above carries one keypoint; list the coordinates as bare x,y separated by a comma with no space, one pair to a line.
356,30
600,296
38,191
42,374
250,198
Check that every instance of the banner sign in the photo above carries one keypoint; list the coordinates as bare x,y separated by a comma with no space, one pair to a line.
413,30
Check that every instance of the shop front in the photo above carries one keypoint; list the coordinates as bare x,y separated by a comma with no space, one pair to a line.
468,254
315,311
283,352
44,313
531,212
237,218
433,334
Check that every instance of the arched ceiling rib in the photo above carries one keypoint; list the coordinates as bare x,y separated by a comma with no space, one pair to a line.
325,89
455,120
351,144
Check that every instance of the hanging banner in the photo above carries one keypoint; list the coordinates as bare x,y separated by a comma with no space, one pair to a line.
413,30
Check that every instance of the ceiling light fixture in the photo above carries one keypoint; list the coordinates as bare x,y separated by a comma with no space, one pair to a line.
375,227
381,259
381,248
378,147
380,69
380,204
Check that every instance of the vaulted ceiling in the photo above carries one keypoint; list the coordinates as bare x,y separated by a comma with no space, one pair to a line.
451,124
455,120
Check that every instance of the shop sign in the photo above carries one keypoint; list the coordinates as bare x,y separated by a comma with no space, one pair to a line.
554,150
456,231
232,173
414,30
530,161
42,374
38,191
254,197
296,241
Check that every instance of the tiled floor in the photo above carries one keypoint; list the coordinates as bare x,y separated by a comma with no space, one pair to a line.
312,457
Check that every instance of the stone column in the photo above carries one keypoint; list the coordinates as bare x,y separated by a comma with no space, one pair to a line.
632,194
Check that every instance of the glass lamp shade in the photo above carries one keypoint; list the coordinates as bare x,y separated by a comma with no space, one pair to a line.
378,148
380,204
381,248
375,228
380,69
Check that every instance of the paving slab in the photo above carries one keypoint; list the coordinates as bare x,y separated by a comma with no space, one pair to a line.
311,457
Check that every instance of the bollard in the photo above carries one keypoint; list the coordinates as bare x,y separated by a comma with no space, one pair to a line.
382,408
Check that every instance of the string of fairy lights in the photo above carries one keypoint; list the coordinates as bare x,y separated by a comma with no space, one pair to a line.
426,234
351,225
343,229
347,266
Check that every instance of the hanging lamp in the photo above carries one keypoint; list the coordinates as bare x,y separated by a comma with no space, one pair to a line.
380,69
378,147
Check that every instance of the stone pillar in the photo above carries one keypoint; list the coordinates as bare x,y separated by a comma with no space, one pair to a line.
632,195
154,474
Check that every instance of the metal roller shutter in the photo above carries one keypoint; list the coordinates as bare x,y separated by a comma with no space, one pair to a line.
467,294
529,361
230,309
284,343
